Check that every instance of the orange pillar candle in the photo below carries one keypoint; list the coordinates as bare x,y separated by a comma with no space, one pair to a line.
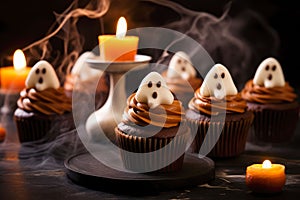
12,78
266,177
118,47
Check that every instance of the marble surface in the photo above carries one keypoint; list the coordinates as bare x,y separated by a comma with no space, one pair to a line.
36,171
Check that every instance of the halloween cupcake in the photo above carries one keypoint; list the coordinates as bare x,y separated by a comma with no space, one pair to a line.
86,83
273,102
44,110
153,135
218,116
181,77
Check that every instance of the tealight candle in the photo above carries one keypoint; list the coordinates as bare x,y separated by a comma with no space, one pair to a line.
265,177
118,47
12,78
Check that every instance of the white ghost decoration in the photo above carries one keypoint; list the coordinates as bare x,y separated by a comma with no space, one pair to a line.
42,76
153,90
269,74
82,68
181,66
218,83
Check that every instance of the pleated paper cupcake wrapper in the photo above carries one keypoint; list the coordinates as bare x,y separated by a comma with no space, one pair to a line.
274,126
171,157
32,130
231,142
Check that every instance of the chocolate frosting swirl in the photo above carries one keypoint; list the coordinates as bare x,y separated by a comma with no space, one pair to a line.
49,101
162,116
180,85
213,106
259,94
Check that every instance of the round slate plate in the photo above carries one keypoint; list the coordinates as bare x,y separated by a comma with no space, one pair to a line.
84,169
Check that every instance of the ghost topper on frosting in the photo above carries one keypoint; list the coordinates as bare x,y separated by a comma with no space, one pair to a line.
218,83
82,68
154,91
181,66
269,74
42,76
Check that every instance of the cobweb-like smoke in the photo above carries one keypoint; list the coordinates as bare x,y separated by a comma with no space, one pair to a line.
63,43
61,46
240,42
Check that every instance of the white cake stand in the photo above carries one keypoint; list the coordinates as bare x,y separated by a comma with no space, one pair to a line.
104,120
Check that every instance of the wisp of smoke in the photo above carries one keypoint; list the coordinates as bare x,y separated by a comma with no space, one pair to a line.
240,43
67,36
61,46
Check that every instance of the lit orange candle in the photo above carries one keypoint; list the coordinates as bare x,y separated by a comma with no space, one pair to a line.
118,47
266,177
13,77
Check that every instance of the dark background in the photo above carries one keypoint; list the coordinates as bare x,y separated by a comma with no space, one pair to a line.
24,22
36,170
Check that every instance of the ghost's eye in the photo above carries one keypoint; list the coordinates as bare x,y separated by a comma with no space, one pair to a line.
215,76
44,70
179,61
274,68
185,61
267,67
223,75
37,71
158,84
149,84
183,69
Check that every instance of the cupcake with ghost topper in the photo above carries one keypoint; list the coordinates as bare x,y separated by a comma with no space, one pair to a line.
181,77
86,82
44,110
273,102
153,134
218,116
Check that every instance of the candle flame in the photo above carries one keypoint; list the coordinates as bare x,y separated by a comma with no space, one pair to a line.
267,164
121,28
19,60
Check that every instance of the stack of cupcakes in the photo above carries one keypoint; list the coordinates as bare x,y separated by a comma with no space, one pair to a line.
273,102
153,135
218,116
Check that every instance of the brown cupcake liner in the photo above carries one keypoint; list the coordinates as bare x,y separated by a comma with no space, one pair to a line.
274,126
168,156
231,141
33,129
29,130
